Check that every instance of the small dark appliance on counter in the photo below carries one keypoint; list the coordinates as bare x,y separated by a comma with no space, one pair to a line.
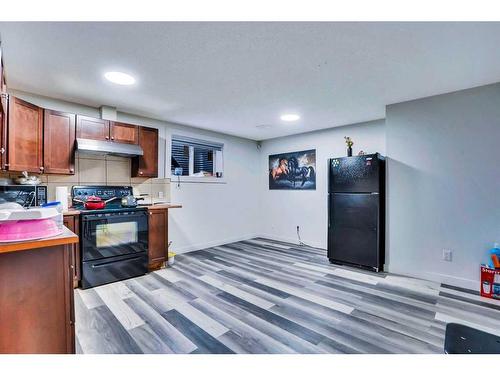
356,211
25,195
114,239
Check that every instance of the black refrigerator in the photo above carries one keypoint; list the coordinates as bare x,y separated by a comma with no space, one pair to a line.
356,211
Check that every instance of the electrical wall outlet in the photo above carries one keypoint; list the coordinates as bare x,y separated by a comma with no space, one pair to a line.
447,255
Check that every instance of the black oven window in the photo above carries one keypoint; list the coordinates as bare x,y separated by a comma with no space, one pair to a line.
115,234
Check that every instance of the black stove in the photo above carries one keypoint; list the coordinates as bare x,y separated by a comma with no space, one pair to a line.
81,193
113,240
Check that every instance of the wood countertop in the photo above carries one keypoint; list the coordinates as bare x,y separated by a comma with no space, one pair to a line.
162,206
65,238
157,206
71,212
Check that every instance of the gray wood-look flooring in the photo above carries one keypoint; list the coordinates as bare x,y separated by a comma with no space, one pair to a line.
266,296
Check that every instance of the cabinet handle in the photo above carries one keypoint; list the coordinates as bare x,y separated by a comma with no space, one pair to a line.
42,168
107,138
2,150
140,172
112,138
72,170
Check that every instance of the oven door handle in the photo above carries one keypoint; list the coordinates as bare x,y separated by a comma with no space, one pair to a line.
93,217
103,264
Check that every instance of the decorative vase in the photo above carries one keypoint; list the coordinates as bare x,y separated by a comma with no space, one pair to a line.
349,151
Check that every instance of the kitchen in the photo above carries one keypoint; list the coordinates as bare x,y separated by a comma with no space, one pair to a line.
67,147
303,220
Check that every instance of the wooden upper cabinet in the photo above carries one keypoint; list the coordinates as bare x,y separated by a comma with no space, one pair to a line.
124,133
3,87
3,130
147,165
92,128
24,136
59,142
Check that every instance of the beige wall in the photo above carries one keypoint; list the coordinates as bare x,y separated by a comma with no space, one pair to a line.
108,170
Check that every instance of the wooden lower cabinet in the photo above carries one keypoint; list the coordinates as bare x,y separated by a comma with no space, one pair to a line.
36,301
158,238
72,222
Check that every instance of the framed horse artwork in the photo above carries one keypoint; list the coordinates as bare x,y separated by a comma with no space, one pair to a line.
293,171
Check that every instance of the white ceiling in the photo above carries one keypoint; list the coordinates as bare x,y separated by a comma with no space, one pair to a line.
236,77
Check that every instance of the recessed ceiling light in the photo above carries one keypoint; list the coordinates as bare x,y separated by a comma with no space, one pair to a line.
289,117
120,78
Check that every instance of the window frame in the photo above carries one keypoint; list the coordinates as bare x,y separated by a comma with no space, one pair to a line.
204,141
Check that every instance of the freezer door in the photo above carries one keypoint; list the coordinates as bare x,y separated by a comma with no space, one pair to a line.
353,229
355,174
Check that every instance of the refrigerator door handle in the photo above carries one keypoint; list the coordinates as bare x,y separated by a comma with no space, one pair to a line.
329,210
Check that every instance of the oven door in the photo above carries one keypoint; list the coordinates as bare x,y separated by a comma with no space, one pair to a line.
108,235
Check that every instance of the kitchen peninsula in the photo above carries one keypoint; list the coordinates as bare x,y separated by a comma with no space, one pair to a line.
36,295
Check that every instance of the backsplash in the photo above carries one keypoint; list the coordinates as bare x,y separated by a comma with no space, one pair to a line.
104,170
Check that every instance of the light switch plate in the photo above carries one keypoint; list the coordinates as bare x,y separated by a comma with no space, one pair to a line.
447,255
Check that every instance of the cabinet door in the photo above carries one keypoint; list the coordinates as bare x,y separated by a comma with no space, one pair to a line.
3,87
24,140
158,237
59,142
36,302
124,133
72,223
92,128
3,130
147,164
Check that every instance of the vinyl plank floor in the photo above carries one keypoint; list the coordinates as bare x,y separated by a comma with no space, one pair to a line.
271,297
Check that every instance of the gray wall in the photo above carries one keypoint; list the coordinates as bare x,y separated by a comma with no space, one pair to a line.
282,210
444,183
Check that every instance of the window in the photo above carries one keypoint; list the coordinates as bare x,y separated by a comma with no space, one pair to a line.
195,157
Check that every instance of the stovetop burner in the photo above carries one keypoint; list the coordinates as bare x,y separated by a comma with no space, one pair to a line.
105,193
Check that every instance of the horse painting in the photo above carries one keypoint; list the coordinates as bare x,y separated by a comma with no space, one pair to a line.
293,171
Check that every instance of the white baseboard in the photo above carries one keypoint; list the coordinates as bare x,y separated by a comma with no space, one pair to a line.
293,240
437,277
204,245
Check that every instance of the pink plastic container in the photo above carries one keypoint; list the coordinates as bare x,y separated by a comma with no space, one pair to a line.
22,230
